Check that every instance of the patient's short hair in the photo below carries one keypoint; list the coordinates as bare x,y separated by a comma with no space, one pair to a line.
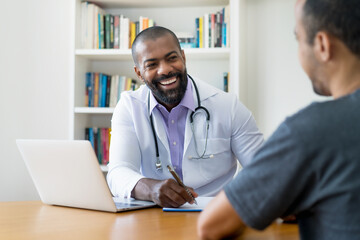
340,18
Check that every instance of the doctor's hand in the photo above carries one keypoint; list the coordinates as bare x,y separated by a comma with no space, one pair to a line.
165,193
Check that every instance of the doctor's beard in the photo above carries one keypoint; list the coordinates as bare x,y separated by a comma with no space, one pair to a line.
172,96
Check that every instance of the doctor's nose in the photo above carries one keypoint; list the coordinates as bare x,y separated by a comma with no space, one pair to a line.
164,68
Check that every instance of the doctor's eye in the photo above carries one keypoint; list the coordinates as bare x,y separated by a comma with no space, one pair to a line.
150,65
173,57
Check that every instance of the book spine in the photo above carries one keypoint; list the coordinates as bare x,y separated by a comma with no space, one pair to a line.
201,27
224,29
151,23
90,26
197,30
145,23
96,27
111,31
87,89
127,33
212,30
87,137
91,90
96,89
91,137
137,27
219,28
116,32
226,81
140,24
108,86
104,90
107,31
132,33
83,24
97,138
206,31
99,19
114,90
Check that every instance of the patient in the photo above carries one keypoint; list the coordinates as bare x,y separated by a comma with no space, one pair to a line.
310,166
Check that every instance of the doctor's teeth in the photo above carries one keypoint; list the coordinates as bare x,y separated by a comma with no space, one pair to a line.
172,80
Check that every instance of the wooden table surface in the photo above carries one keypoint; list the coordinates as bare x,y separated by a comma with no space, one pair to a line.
34,220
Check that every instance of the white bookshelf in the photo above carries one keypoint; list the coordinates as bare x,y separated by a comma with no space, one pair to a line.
207,64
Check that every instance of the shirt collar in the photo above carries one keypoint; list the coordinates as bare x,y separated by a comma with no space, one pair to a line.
187,101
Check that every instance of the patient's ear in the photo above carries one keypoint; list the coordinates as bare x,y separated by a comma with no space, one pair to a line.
322,46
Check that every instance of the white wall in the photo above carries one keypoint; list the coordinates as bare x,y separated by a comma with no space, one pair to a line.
277,86
34,90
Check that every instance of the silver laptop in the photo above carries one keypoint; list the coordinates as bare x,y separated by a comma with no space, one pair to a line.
67,173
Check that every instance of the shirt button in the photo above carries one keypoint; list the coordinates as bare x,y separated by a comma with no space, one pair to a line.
174,143
172,121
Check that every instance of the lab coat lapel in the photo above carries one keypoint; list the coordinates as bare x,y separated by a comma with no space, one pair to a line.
188,134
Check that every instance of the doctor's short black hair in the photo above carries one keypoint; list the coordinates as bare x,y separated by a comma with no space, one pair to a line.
151,33
340,18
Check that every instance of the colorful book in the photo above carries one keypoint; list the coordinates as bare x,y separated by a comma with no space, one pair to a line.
84,6
212,30
206,31
96,89
226,81
132,33
107,94
197,30
107,31
116,31
114,90
111,31
90,26
201,27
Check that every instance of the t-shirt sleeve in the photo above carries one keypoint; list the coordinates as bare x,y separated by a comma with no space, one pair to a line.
270,186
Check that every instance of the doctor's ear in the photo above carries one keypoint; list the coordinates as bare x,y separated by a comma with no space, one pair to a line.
183,55
138,74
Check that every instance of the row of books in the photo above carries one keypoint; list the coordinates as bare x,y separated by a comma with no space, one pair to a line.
103,90
101,30
212,29
100,141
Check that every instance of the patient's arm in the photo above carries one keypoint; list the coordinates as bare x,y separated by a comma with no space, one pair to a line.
219,220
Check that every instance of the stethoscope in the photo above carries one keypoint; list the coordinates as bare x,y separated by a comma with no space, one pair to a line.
199,109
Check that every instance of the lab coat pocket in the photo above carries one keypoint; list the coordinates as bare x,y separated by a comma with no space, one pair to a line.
219,158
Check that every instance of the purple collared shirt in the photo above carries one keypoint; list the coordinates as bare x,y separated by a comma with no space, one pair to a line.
174,123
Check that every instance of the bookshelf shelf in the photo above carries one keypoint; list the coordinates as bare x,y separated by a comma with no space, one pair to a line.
94,110
207,64
158,3
125,54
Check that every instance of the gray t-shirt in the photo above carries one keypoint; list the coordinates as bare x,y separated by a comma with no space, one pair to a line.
309,167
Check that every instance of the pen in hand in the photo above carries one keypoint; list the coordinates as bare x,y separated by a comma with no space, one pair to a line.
178,180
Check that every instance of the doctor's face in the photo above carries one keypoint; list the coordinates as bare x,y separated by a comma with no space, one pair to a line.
161,65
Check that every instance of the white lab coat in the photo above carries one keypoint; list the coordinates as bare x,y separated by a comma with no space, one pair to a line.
232,135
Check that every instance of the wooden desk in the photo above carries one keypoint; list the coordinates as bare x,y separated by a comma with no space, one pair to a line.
34,220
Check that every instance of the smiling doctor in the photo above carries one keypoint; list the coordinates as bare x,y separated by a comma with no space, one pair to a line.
178,121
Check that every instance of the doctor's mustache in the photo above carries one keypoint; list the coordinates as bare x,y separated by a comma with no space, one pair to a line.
170,75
